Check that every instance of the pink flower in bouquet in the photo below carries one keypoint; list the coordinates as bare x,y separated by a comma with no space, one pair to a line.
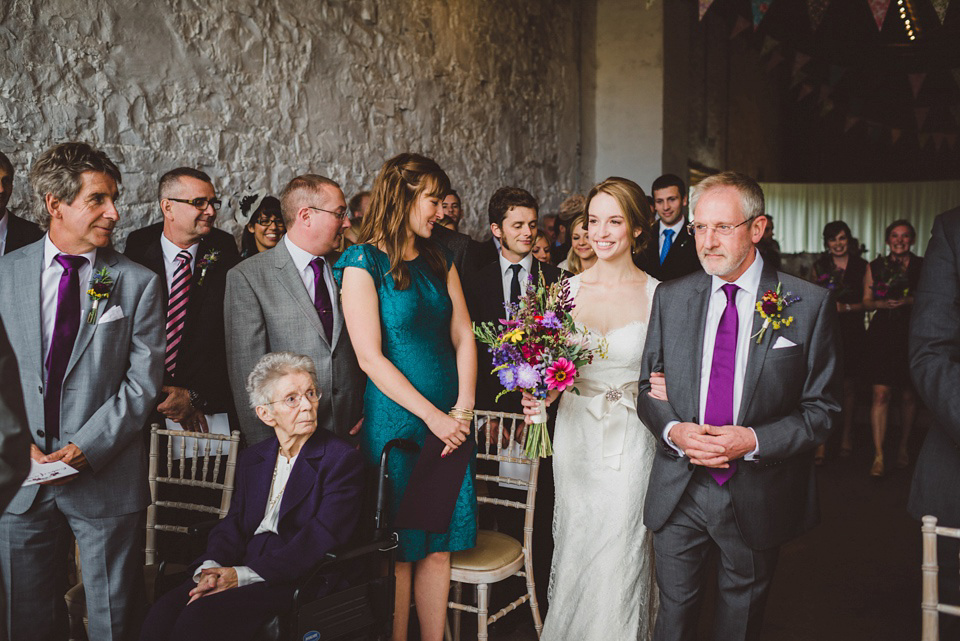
560,374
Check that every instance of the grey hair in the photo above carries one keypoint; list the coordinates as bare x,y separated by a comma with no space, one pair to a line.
271,368
751,195
59,171
293,196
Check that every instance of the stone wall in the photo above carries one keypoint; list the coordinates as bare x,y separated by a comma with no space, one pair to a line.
257,91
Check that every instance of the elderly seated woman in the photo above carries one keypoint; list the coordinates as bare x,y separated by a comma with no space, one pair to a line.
297,496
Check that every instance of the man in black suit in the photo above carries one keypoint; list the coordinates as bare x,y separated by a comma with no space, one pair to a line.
513,220
675,253
192,259
15,232
935,366
460,245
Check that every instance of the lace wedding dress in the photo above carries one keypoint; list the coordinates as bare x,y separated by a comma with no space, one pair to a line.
602,579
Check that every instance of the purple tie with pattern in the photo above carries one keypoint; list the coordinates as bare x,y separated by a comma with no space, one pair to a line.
321,297
719,410
65,328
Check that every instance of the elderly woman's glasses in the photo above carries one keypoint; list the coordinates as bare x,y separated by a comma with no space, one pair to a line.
293,400
699,229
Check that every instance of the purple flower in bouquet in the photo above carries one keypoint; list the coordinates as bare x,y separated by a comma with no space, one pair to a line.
550,320
505,354
527,376
881,290
508,378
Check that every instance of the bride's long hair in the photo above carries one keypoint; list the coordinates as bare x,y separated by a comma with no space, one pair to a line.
635,207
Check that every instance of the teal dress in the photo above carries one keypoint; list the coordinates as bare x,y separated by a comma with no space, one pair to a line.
415,337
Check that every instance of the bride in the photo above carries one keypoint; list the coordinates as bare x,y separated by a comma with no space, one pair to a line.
602,579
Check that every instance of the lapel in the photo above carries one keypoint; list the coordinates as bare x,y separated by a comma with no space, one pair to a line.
491,293
290,280
330,260
683,237
198,291
303,477
106,258
758,353
153,259
695,324
261,473
27,272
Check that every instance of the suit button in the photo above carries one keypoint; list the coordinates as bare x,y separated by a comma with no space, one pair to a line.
41,433
40,388
691,467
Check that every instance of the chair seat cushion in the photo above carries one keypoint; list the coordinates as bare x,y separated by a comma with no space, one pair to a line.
494,550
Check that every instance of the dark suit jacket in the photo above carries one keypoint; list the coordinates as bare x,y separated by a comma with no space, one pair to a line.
484,293
935,366
20,232
202,359
14,438
319,510
484,253
681,259
790,398
458,244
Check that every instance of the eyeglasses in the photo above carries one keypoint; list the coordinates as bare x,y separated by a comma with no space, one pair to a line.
266,222
699,229
293,400
340,213
200,203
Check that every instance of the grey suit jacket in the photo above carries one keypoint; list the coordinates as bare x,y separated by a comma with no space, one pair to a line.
935,366
112,380
14,435
790,398
267,309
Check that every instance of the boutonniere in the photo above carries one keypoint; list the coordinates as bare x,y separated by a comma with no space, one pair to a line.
770,307
99,290
206,262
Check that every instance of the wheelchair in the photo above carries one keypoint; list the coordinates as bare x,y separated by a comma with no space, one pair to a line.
362,612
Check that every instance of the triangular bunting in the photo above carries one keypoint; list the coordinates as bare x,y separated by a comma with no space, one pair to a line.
894,136
826,108
825,91
774,60
759,10
916,82
951,141
704,5
851,123
879,10
938,140
805,91
941,7
799,61
816,9
921,115
769,44
923,139
739,27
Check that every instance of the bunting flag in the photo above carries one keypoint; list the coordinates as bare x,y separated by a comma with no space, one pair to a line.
774,60
759,10
894,136
800,60
826,108
739,26
805,91
879,10
850,123
816,9
916,82
769,44
825,91
923,139
941,7
921,115
704,5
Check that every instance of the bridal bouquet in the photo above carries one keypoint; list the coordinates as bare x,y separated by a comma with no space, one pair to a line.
538,349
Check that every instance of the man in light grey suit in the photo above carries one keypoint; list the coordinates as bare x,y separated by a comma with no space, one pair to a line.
285,299
91,374
743,413
935,366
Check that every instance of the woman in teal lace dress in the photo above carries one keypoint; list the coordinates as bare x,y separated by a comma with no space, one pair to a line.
405,311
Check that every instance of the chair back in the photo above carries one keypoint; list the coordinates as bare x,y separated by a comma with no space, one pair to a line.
930,605
506,446
182,459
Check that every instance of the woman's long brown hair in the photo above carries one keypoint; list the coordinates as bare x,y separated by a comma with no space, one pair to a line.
401,181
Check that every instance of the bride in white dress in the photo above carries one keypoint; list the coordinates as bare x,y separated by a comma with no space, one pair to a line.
602,580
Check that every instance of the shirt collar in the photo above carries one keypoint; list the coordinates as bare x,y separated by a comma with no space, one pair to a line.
676,227
170,250
301,258
4,221
749,280
51,251
526,263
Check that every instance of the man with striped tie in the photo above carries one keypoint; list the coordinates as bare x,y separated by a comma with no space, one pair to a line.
86,325
192,259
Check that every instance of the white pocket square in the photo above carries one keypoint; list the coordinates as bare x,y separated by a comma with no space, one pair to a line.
112,314
783,342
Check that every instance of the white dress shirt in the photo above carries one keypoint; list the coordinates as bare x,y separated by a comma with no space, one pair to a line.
746,301
301,260
4,223
506,274
170,262
50,288
271,517
677,227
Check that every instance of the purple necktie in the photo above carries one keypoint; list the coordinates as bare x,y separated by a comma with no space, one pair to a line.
321,298
65,329
719,410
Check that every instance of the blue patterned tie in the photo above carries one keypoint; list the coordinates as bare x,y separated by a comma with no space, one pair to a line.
667,242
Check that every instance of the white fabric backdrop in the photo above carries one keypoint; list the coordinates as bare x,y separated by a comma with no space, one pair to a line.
801,210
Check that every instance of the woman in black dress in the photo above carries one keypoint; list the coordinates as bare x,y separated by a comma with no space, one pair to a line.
841,270
888,288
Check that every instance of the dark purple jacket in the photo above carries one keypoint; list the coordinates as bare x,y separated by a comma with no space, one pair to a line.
319,510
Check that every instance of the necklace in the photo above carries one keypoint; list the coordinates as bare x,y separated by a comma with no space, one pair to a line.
275,498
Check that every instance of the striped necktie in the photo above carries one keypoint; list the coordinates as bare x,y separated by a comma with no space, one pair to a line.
177,309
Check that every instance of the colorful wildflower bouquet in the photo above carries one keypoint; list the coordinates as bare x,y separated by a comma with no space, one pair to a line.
892,282
538,349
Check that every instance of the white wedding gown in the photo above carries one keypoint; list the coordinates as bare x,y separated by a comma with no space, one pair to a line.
602,583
